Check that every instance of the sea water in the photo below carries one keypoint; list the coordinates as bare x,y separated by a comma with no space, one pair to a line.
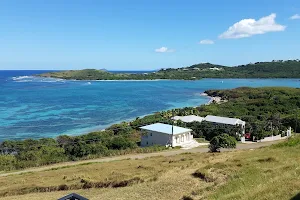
33,107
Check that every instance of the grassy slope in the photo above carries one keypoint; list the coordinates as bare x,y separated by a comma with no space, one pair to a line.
266,173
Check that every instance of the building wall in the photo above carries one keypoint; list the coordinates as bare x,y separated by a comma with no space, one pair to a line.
156,138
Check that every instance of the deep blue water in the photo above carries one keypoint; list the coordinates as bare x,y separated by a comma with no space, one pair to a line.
33,107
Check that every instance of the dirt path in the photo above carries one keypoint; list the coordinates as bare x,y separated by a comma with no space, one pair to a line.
137,156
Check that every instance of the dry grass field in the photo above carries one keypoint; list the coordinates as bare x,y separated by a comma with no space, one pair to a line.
265,173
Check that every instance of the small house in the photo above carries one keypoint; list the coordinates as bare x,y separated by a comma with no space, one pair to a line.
165,134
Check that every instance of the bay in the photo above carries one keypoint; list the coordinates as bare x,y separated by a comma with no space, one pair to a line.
32,107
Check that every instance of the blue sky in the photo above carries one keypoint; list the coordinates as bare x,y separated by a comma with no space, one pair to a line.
146,34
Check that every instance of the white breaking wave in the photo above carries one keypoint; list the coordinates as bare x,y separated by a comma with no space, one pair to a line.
21,77
87,83
36,79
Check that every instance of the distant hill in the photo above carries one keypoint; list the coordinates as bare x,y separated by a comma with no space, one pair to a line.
274,69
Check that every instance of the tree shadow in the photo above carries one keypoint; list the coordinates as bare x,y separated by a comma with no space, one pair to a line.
296,197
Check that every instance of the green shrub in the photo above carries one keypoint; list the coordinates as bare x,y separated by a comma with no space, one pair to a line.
222,141
7,162
121,142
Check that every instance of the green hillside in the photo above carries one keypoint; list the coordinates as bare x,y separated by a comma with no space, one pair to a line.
274,69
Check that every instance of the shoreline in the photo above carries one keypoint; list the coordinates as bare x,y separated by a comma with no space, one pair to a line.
94,80
216,99
20,78
219,78
129,120
133,118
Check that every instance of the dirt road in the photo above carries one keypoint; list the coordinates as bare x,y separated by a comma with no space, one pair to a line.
137,156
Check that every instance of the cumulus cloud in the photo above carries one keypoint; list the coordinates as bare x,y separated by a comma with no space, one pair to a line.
206,42
297,16
250,27
164,50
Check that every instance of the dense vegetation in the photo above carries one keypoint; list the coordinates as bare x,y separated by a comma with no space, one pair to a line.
267,111
32,153
274,69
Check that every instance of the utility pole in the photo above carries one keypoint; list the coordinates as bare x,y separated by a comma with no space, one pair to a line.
172,127
296,119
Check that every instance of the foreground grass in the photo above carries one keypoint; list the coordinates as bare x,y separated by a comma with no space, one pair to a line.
266,173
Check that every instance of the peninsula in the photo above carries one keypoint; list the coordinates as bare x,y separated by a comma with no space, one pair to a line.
273,69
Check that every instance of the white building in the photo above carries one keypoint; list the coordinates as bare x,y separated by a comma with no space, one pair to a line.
226,120
189,118
161,134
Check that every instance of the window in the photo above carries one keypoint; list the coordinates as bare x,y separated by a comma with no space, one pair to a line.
150,134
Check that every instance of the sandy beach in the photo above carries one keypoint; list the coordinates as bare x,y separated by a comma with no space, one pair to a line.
216,99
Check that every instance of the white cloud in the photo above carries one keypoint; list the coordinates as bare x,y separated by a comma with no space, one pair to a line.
249,27
297,16
206,42
164,50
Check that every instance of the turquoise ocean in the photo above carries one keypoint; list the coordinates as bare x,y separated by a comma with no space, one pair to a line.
32,107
